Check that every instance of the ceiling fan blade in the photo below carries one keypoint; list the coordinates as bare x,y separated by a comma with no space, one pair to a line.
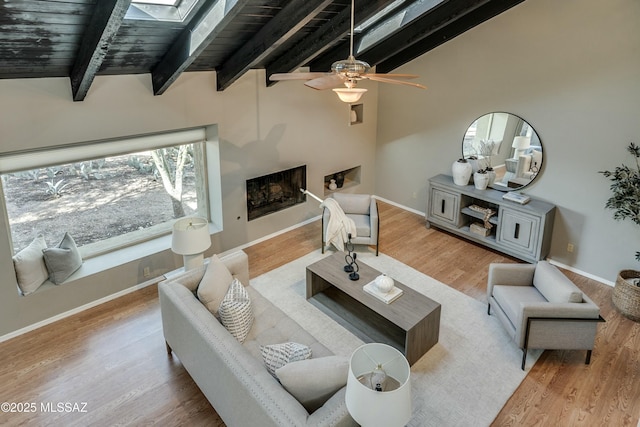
325,82
296,76
399,76
397,82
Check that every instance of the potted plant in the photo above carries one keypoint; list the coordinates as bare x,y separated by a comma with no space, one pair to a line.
625,202
481,179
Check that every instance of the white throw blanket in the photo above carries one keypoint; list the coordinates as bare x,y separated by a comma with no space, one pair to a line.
339,225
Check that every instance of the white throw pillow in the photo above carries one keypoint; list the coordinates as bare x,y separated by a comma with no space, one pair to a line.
31,270
277,355
63,260
214,284
235,311
312,382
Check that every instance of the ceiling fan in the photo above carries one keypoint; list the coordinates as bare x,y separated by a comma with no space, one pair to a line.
348,72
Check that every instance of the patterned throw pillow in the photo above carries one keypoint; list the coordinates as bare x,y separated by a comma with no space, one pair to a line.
236,312
277,355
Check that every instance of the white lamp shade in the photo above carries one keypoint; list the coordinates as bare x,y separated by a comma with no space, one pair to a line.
349,95
379,408
190,236
521,142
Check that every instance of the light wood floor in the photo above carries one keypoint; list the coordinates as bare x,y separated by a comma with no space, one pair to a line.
113,357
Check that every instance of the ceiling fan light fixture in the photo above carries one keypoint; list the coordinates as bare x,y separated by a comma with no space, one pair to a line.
349,95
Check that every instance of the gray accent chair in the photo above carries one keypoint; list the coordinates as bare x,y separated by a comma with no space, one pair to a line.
363,209
541,308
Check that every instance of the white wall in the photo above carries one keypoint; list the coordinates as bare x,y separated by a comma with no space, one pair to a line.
570,68
261,130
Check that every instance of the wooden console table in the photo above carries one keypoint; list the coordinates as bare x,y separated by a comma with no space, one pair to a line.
522,231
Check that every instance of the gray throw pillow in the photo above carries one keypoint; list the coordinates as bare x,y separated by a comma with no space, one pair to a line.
31,271
313,381
63,260
214,284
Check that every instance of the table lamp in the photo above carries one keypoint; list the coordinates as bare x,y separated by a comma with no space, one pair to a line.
520,144
378,386
190,239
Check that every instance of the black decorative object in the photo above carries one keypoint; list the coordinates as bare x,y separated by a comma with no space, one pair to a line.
350,258
354,274
339,179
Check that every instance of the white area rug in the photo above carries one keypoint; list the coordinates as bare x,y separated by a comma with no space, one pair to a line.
464,380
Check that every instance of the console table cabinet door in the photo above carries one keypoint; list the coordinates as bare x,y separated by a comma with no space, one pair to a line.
445,206
518,230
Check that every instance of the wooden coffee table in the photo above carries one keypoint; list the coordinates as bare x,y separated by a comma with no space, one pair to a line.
411,323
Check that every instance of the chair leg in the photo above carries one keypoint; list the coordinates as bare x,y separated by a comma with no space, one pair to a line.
524,357
489,309
588,359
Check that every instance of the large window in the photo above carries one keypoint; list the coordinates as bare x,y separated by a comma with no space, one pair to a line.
106,202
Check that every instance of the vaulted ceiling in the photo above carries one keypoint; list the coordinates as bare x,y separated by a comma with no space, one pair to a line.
80,39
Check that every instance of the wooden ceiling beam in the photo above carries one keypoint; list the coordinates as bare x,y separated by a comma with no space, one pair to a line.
102,28
327,36
419,41
291,19
214,17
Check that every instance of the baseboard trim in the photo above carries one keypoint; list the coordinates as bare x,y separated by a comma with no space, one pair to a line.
582,273
398,205
272,235
77,310
559,264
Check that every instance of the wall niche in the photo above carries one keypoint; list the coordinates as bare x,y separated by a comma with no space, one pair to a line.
343,179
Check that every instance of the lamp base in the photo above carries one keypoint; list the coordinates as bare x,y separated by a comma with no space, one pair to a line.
193,261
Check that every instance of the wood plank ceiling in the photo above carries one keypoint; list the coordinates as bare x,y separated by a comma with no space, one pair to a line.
80,39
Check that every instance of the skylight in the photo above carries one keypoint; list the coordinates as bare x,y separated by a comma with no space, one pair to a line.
158,2
161,10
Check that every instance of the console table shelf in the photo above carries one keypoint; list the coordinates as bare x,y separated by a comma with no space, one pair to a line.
522,231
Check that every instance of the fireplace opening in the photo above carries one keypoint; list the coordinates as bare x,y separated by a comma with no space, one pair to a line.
274,192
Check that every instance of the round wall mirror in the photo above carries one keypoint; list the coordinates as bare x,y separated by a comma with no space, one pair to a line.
507,145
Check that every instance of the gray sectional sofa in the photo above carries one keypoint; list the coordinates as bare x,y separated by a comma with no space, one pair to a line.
232,375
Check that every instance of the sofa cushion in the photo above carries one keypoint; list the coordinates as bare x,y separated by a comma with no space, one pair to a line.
554,285
271,325
363,224
31,270
214,284
235,311
277,355
510,297
313,381
63,260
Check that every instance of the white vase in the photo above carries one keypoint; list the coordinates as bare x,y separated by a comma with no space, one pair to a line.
333,185
461,171
481,180
492,177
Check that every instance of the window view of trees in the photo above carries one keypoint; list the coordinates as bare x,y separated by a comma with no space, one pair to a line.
108,202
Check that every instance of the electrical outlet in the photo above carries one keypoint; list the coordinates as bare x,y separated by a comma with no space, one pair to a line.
570,247
146,272
415,195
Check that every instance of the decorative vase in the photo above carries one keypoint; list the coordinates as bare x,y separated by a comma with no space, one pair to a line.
480,180
461,171
384,283
339,179
333,185
492,177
